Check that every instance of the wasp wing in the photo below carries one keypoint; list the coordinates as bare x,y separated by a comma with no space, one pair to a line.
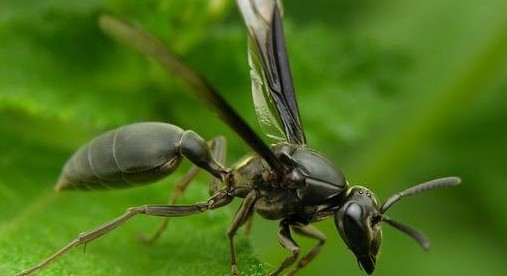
273,92
151,47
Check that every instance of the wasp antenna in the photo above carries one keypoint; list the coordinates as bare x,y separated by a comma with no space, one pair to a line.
416,235
436,183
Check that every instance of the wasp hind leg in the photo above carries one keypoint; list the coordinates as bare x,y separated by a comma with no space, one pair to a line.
218,147
218,200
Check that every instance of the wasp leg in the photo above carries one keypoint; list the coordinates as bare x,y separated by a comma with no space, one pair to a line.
287,242
248,224
218,152
238,220
220,199
311,232
178,190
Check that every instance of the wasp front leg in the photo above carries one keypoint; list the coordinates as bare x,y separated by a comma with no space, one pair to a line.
290,244
310,232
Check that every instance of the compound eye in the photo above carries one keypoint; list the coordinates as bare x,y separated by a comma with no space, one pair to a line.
354,213
356,229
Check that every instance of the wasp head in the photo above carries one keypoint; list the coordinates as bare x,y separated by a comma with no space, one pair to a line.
358,221
360,217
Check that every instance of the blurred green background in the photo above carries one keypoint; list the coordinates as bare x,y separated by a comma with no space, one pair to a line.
394,92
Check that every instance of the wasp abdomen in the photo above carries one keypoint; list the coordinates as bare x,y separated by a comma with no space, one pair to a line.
131,155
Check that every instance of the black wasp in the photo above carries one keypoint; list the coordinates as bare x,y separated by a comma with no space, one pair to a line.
286,181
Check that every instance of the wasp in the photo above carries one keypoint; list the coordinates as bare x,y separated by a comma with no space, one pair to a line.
286,181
